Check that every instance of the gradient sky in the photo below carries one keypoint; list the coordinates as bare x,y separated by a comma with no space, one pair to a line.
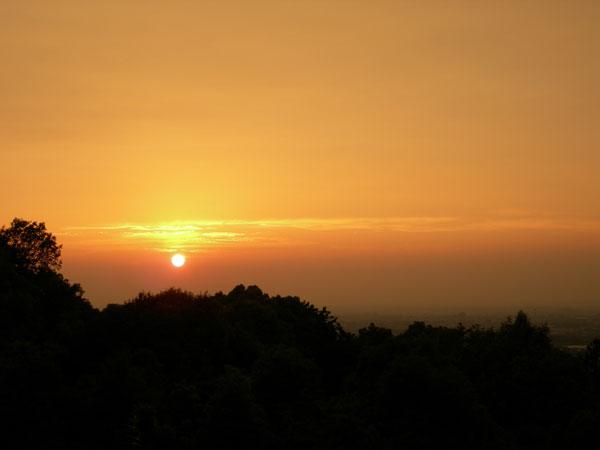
406,154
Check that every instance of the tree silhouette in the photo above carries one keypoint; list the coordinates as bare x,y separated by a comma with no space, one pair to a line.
175,370
30,246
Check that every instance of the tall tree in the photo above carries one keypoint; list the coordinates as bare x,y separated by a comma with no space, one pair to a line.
31,246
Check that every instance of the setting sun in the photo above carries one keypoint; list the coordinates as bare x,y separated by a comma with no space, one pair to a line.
178,260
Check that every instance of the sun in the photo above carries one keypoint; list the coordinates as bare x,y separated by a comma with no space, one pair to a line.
178,260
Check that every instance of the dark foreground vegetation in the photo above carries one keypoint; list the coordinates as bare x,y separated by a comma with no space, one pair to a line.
247,371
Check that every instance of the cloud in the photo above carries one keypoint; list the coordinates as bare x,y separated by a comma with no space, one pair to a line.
193,236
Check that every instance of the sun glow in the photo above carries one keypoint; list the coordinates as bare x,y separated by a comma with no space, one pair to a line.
178,260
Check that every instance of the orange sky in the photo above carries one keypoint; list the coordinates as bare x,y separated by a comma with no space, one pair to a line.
399,153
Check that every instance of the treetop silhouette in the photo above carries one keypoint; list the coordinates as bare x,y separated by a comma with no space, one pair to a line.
179,371
31,246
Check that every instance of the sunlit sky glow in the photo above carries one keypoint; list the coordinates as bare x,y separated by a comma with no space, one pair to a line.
361,154
195,236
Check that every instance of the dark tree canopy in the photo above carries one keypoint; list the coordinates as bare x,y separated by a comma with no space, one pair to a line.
31,246
248,370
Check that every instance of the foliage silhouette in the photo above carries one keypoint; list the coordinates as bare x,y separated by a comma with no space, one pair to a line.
174,370
31,247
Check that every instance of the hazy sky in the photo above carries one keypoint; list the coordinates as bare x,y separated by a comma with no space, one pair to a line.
415,154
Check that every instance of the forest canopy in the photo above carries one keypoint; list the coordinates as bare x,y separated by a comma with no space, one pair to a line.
175,370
